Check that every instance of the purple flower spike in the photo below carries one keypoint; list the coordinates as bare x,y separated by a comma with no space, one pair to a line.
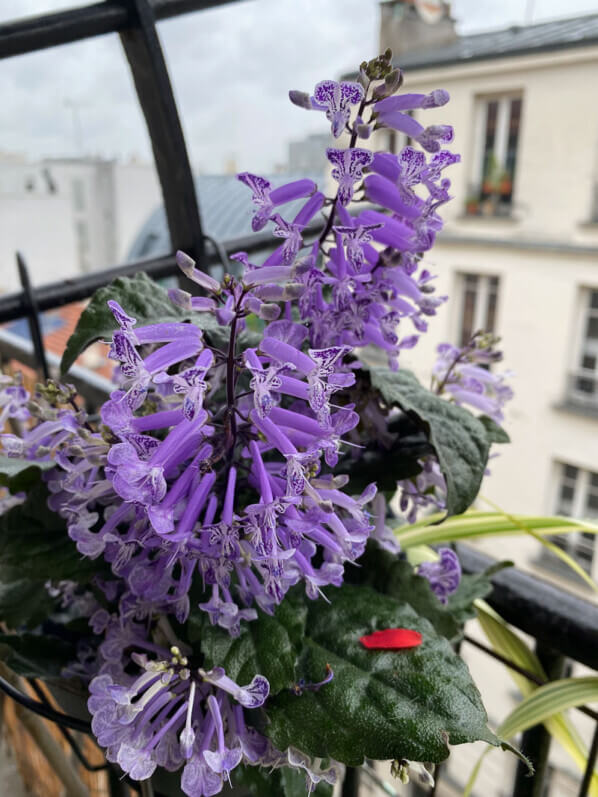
348,169
266,198
251,696
336,99
444,575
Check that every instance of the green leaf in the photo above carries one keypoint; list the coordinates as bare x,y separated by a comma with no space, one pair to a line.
19,475
496,434
380,704
266,646
460,440
34,544
139,296
24,602
35,656
389,575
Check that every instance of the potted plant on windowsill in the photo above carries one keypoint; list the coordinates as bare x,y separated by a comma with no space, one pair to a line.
472,206
505,185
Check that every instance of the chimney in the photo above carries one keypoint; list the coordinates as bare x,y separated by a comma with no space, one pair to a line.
408,25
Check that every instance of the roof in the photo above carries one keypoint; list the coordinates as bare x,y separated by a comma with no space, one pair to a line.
517,40
225,207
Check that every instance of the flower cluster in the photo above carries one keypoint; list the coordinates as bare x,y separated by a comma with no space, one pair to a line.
212,482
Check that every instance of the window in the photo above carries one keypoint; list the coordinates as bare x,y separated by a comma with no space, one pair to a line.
479,299
583,384
498,121
577,496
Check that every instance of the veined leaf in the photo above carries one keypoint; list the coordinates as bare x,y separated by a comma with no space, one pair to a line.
19,475
139,296
461,440
379,704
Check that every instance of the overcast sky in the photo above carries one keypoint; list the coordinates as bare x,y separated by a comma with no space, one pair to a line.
231,67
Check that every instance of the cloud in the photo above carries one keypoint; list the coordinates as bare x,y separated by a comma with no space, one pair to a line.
231,69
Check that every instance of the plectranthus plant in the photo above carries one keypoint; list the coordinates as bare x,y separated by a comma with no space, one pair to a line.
210,557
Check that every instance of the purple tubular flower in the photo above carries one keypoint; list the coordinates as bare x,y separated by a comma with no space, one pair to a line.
348,169
187,266
444,575
267,198
401,122
407,102
384,192
336,100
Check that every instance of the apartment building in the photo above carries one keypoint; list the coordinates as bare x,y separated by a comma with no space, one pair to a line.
519,252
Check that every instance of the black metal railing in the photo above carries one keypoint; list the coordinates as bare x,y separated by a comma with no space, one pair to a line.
563,626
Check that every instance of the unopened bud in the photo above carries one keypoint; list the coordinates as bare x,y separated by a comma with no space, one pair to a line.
300,98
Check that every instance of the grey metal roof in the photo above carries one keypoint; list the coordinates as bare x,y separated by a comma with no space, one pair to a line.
546,36
226,210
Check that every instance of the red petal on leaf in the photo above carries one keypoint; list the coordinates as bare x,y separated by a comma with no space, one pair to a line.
392,639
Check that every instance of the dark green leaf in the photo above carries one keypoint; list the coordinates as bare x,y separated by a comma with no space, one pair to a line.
139,296
24,602
380,704
34,544
19,475
459,439
496,434
390,575
35,656
266,646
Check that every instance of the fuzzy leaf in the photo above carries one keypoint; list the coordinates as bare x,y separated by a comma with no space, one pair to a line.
24,602
460,440
380,704
266,646
19,475
35,656
139,296
496,434
34,544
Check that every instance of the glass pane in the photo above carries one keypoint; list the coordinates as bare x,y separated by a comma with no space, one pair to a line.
594,480
567,492
594,300
570,472
592,328
592,504
588,361
514,124
489,160
469,304
491,306
75,157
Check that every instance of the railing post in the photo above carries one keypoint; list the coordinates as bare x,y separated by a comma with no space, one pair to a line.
33,317
351,782
535,743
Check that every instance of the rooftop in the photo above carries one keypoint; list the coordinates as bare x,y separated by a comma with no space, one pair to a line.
517,40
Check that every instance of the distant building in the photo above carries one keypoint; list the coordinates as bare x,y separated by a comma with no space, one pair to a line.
70,215
308,156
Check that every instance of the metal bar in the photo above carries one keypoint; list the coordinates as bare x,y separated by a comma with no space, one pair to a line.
44,711
350,787
535,743
553,616
33,318
154,91
57,294
64,27
584,789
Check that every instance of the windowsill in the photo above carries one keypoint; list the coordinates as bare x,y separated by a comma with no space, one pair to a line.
577,408
590,224
509,217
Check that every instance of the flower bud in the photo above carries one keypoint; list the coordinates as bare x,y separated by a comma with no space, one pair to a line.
300,98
